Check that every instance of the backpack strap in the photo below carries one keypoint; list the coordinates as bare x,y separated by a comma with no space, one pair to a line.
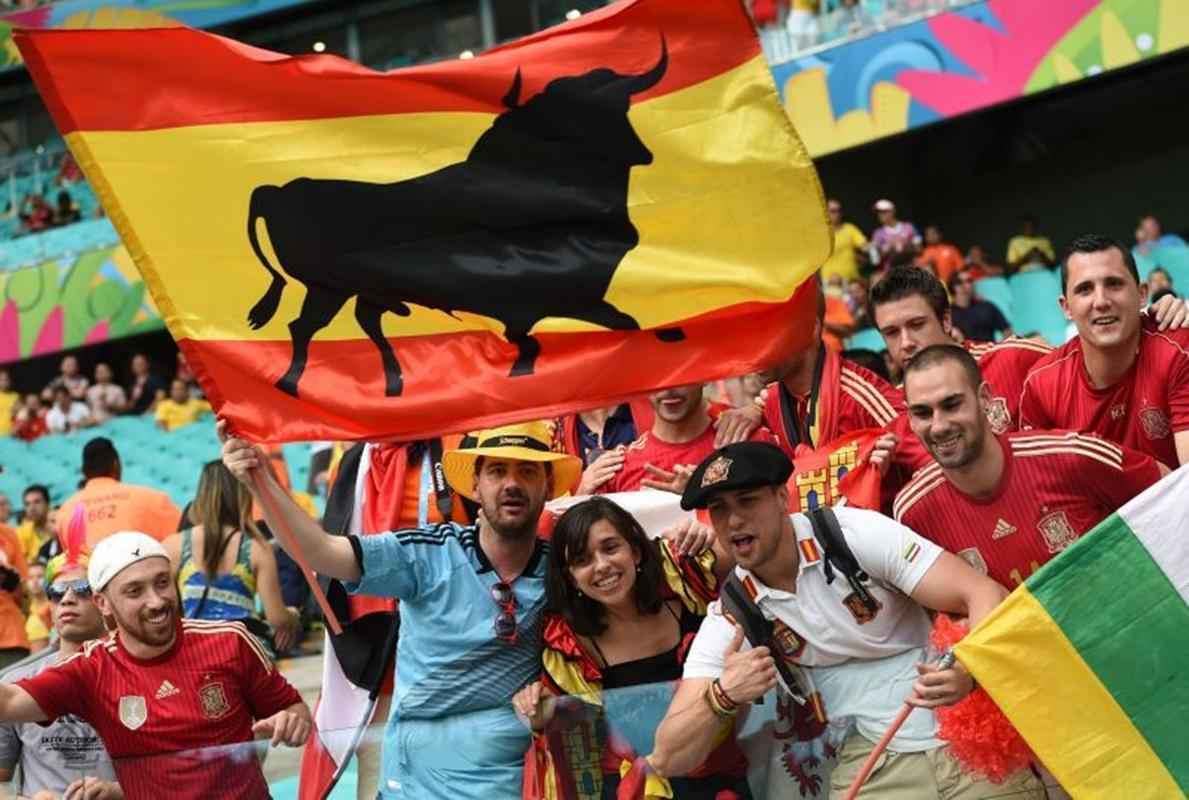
838,556
758,630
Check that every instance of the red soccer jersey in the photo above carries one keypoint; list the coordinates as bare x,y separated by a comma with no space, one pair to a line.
167,722
1056,486
1142,411
1004,366
650,450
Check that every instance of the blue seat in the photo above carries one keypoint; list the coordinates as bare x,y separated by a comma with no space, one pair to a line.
996,290
1175,261
1036,310
866,339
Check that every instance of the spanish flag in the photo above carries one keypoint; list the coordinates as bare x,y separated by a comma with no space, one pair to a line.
612,205
1089,658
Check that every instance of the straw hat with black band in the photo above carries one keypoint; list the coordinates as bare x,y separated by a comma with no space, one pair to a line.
527,441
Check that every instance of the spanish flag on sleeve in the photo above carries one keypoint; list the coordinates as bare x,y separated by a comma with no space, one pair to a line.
608,206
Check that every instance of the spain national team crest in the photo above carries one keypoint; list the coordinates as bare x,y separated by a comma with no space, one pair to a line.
214,700
133,711
999,416
1057,531
716,471
862,614
787,640
1155,423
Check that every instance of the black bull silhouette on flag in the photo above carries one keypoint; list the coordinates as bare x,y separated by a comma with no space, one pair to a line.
533,224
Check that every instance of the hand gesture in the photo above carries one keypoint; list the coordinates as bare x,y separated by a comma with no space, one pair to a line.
92,789
746,677
1169,312
601,470
239,456
737,425
534,706
883,451
689,537
940,687
668,480
288,727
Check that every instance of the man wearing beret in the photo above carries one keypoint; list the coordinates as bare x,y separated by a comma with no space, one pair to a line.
855,659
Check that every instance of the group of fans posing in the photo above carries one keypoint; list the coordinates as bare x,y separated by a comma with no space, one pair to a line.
605,661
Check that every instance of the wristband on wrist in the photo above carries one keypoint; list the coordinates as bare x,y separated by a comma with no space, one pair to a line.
716,705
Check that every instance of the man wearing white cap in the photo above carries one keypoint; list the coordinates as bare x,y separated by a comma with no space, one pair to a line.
170,698
894,241
472,600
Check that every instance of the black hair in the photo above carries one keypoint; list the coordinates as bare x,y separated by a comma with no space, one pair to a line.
1096,243
37,488
870,360
99,458
910,281
941,353
1160,295
585,616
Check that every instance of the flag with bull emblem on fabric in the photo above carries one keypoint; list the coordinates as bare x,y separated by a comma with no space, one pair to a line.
608,206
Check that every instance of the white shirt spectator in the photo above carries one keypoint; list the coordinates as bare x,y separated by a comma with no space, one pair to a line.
863,670
105,400
58,421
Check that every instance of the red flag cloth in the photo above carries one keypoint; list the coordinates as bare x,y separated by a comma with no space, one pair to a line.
576,217
841,468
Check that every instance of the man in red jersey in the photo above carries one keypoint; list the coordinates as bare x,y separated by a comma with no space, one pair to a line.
173,700
813,398
1007,503
681,436
1120,377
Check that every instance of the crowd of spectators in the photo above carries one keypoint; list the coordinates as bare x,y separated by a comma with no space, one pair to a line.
808,23
608,633
71,401
860,260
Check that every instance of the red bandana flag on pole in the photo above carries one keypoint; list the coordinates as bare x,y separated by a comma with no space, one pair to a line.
608,206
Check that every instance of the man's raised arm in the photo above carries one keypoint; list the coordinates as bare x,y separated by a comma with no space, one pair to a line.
328,555
17,705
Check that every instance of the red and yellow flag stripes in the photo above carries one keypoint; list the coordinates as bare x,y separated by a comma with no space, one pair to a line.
609,206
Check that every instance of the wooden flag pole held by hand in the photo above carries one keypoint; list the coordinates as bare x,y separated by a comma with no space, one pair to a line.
282,532
946,662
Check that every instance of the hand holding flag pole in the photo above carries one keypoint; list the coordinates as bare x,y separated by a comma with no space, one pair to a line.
946,662
288,540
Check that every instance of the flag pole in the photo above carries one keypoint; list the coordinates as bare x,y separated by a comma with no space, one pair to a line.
282,532
946,662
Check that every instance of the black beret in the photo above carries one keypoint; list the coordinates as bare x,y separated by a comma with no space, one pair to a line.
742,465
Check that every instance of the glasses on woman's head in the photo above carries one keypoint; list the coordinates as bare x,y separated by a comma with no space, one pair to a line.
58,589
505,621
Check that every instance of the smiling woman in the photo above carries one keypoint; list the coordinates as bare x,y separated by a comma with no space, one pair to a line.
623,610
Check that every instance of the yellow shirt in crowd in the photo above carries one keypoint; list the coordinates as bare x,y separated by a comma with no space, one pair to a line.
30,540
1019,246
847,239
8,402
175,415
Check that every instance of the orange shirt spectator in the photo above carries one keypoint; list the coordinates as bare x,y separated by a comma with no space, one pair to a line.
111,506
14,643
837,324
943,257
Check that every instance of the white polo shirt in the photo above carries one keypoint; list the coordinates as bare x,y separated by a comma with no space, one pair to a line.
863,669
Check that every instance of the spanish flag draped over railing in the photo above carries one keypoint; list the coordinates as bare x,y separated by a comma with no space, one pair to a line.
1089,658
608,206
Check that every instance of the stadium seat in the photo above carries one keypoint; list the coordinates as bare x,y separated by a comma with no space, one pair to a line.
995,290
1175,260
866,339
1034,300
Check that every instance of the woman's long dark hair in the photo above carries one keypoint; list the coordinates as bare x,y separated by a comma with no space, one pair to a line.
221,500
588,617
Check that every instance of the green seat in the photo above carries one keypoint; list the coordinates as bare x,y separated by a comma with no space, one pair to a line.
1034,299
866,339
1175,261
996,290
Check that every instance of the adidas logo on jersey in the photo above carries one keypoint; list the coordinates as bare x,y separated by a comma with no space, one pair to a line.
167,689
1003,528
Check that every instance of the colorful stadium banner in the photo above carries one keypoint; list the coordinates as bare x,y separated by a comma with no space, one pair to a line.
59,304
73,14
965,60
1089,658
605,207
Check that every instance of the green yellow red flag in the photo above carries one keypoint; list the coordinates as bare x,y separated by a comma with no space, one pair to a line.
612,205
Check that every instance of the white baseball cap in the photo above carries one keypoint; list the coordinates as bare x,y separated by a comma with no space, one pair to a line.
118,551
885,205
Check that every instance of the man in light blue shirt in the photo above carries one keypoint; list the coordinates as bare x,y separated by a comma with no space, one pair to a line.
1149,237
471,601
